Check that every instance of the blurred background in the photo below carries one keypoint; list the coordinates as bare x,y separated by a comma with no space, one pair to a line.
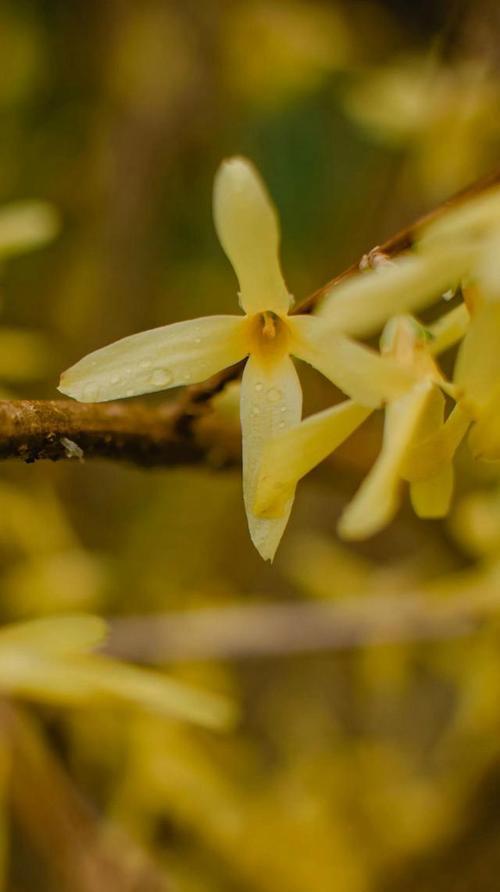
367,755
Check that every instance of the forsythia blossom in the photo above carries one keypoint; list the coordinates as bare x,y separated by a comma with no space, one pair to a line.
475,227
418,445
51,661
271,396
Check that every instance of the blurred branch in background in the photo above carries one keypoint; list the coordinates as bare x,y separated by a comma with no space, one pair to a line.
86,854
262,630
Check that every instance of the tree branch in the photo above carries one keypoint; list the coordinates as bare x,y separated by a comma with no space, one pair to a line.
182,431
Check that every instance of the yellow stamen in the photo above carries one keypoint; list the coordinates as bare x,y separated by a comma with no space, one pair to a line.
269,325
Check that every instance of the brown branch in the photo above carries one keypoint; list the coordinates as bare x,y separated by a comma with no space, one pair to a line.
183,431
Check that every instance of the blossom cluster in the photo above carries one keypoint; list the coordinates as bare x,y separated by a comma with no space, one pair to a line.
426,414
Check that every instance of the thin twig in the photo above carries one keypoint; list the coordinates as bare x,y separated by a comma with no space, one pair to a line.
273,630
180,432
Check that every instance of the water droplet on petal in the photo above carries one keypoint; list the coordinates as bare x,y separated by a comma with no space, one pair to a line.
129,393
274,395
161,377
259,386
281,425
284,409
115,379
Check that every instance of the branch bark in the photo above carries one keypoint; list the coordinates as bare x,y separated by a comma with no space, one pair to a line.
182,431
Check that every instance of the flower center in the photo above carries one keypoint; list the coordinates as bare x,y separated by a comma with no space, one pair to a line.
269,335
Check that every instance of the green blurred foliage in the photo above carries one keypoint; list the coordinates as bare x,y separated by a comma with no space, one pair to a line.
352,766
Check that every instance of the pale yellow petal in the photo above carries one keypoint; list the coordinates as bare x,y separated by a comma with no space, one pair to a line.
468,220
377,499
58,635
431,497
271,402
158,693
428,455
362,303
449,329
94,680
484,438
487,269
477,368
182,353
25,225
248,230
293,453
361,373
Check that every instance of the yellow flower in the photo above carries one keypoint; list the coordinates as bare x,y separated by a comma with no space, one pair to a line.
51,661
417,446
26,225
271,396
446,117
475,228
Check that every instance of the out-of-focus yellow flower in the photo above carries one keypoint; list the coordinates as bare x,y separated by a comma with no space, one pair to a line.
26,225
446,117
50,661
475,228
418,445
277,50
271,396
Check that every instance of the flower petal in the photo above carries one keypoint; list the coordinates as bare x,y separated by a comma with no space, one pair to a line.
468,220
449,329
182,353
484,438
361,373
376,500
248,230
431,497
438,445
271,402
55,636
93,680
478,362
292,454
362,303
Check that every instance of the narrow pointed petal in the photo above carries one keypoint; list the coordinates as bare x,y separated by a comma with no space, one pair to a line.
271,402
361,373
291,455
93,680
437,447
377,499
361,304
468,220
478,360
432,497
484,438
248,230
182,353
449,329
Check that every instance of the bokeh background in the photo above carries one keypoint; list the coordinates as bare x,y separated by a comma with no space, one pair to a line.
371,759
